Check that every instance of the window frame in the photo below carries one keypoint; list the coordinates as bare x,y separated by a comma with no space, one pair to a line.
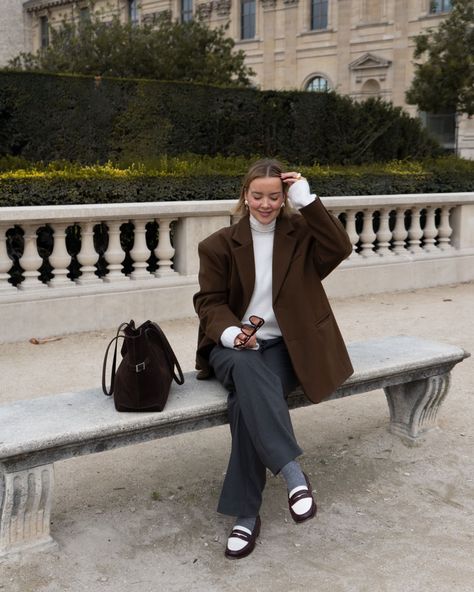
315,24
317,77
186,11
440,6
44,31
248,21
132,11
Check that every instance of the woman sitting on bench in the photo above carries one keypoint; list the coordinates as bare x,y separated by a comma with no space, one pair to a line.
265,326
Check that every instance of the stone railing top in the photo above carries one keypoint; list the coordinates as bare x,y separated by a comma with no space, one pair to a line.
158,209
179,209
57,423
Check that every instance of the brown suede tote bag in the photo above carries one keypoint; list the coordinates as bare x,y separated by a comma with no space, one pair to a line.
143,379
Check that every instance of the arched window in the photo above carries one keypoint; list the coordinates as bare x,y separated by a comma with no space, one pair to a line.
317,84
247,19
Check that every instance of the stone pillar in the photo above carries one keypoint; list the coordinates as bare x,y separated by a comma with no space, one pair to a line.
462,222
414,406
291,32
344,57
268,27
189,233
25,509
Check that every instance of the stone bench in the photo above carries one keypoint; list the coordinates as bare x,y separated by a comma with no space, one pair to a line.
414,373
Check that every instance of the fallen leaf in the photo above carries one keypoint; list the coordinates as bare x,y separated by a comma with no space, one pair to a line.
40,341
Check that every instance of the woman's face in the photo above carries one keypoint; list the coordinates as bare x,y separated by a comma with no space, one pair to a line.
265,197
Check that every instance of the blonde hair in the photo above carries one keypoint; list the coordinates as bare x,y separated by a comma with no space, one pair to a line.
266,167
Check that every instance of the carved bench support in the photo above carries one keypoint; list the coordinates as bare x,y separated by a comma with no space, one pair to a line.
25,509
414,405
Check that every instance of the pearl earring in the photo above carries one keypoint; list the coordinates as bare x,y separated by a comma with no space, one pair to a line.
282,205
246,203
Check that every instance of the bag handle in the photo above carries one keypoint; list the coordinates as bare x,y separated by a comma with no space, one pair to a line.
173,361
114,362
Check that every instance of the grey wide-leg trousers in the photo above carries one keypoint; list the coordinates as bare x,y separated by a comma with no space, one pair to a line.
258,382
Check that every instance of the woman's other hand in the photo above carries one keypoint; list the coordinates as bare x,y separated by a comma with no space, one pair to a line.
250,344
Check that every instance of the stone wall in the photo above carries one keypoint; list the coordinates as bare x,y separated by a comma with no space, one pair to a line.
12,33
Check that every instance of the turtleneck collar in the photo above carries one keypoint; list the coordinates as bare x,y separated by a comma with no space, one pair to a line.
259,227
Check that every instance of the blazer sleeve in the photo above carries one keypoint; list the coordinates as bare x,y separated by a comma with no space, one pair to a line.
211,301
331,242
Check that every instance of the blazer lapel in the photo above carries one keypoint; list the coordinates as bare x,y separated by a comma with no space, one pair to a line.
244,259
283,248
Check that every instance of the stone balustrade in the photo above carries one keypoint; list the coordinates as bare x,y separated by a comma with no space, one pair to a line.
384,230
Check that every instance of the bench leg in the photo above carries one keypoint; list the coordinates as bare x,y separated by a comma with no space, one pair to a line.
414,406
25,509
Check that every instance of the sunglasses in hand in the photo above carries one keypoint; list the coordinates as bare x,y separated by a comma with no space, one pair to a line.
248,331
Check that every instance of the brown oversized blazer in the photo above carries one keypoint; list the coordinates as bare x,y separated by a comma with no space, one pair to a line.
306,249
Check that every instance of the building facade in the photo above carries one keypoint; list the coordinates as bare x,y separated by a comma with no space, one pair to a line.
360,48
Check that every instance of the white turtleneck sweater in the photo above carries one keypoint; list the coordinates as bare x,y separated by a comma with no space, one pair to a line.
261,302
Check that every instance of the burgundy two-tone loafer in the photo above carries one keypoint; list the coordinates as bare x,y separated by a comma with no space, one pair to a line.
301,502
241,541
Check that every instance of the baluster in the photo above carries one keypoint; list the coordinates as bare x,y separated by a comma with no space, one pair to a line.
430,230
351,231
415,232
164,251
5,262
60,258
400,233
445,230
114,254
140,252
384,234
88,256
30,261
368,235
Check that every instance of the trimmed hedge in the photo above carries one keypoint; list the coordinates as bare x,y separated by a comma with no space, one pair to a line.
50,117
43,191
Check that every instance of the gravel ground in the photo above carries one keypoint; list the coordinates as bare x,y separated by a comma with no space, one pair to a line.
391,518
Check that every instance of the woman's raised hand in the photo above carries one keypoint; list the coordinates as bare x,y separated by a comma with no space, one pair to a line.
291,177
